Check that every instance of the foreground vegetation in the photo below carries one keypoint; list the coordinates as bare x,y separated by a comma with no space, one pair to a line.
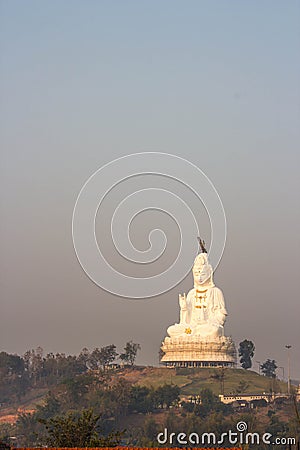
78,401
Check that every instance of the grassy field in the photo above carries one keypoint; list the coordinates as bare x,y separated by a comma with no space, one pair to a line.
191,381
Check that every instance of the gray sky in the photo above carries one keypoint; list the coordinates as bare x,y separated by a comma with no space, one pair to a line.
83,83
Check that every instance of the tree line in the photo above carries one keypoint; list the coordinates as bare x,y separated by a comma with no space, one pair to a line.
18,374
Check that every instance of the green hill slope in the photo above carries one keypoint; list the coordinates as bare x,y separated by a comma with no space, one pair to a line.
192,380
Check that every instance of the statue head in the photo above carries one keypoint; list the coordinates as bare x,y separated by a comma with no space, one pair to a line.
202,271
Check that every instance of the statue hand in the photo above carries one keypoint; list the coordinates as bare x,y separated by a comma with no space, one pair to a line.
182,301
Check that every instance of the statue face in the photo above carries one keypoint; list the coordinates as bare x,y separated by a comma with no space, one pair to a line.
201,271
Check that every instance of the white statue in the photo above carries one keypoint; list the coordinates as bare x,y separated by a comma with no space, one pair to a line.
202,312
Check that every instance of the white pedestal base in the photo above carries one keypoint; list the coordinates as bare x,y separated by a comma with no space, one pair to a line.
193,351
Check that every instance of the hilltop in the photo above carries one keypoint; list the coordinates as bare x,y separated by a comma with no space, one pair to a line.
190,380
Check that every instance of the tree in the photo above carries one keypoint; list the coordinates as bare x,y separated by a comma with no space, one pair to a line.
84,357
276,427
11,364
34,363
13,378
78,430
28,428
246,352
141,399
209,401
107,355
150,430
268,368
50,408
166,395
6,430
130,352
205,404
76,389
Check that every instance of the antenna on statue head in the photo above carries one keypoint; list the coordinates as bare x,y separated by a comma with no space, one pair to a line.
202,245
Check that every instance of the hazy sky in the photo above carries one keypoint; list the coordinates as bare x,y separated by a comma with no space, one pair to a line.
84,82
